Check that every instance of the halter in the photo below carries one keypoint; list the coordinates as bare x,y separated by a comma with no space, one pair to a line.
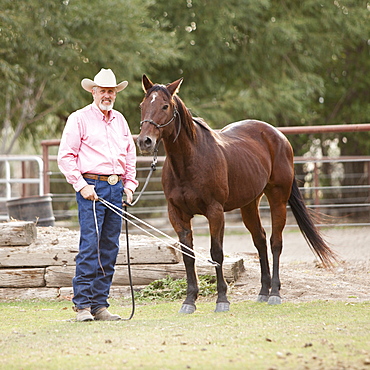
175,113
158,126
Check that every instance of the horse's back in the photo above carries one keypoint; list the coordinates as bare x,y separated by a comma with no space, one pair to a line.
252,129
257,151
257,137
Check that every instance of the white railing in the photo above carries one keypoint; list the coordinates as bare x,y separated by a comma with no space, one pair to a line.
8,179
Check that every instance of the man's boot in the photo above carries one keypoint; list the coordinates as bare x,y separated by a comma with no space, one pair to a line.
104,315
84,314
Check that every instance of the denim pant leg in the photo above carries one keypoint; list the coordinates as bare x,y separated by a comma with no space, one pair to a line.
95,261
109,246
87,257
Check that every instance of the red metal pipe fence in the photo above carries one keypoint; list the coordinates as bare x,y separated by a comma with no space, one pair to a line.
285,130
314,188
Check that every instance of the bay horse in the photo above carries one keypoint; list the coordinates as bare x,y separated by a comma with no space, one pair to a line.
209,173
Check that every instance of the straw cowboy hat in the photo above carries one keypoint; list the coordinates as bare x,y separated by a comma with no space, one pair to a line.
105,78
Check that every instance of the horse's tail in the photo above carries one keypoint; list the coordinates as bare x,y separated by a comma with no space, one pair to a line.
308,228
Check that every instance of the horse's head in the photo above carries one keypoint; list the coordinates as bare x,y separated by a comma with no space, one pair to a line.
158,114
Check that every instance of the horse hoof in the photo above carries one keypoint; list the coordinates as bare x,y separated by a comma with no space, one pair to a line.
262,298
222,307
274,299
187,308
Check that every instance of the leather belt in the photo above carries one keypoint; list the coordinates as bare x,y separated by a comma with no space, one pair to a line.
111,179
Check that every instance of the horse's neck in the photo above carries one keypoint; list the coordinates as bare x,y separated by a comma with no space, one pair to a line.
180,148
180,151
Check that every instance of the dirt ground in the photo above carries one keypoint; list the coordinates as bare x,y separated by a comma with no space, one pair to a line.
302,276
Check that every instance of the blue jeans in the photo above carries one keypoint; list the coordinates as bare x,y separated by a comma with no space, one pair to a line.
97,257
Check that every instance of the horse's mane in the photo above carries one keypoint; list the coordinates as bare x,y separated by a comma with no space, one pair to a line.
202,123
186,117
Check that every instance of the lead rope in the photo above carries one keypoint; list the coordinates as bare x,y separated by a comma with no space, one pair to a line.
129,273
115,209
152,169
97,237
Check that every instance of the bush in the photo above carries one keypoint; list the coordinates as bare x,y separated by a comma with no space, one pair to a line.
170,289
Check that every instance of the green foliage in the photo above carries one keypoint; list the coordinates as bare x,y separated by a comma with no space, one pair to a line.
170,289
281,62
46,48
288,63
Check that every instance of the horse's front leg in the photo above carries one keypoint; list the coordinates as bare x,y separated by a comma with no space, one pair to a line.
182,225
216,227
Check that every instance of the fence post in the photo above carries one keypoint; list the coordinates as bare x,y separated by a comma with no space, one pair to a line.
45,158
316,183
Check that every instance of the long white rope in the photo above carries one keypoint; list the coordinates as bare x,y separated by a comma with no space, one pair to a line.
98,237
114,208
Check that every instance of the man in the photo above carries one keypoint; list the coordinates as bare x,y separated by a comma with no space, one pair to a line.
97,156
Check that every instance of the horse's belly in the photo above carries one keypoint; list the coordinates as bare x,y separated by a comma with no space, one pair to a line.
242,195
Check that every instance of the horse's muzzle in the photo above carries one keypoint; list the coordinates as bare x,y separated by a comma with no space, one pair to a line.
146,144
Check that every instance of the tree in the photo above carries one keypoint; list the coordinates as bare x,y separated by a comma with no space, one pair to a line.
46,48
289,63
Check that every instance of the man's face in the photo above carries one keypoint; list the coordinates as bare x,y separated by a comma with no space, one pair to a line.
104,97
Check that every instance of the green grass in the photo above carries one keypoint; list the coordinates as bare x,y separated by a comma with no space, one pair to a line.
316,335
169,289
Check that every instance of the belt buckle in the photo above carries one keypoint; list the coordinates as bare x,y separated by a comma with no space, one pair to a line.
113,179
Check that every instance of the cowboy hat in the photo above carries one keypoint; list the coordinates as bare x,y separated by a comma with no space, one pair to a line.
105,78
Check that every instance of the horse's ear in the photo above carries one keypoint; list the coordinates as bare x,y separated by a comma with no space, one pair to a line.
174,87
146,83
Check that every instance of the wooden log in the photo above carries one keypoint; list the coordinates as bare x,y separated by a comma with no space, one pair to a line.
59,276
22,278
17,294
17,233
66,293
59,247
37,255
146,250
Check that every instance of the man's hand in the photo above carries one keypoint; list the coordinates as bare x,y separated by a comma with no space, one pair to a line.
88,192
129,195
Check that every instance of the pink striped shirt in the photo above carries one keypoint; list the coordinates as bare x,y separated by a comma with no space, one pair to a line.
90,144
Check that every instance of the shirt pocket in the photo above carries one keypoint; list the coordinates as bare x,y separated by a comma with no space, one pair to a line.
123,144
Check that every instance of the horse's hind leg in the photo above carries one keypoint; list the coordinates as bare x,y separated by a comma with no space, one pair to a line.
277,200
182,225
251,219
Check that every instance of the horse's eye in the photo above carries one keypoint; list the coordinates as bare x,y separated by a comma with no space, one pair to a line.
165,107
